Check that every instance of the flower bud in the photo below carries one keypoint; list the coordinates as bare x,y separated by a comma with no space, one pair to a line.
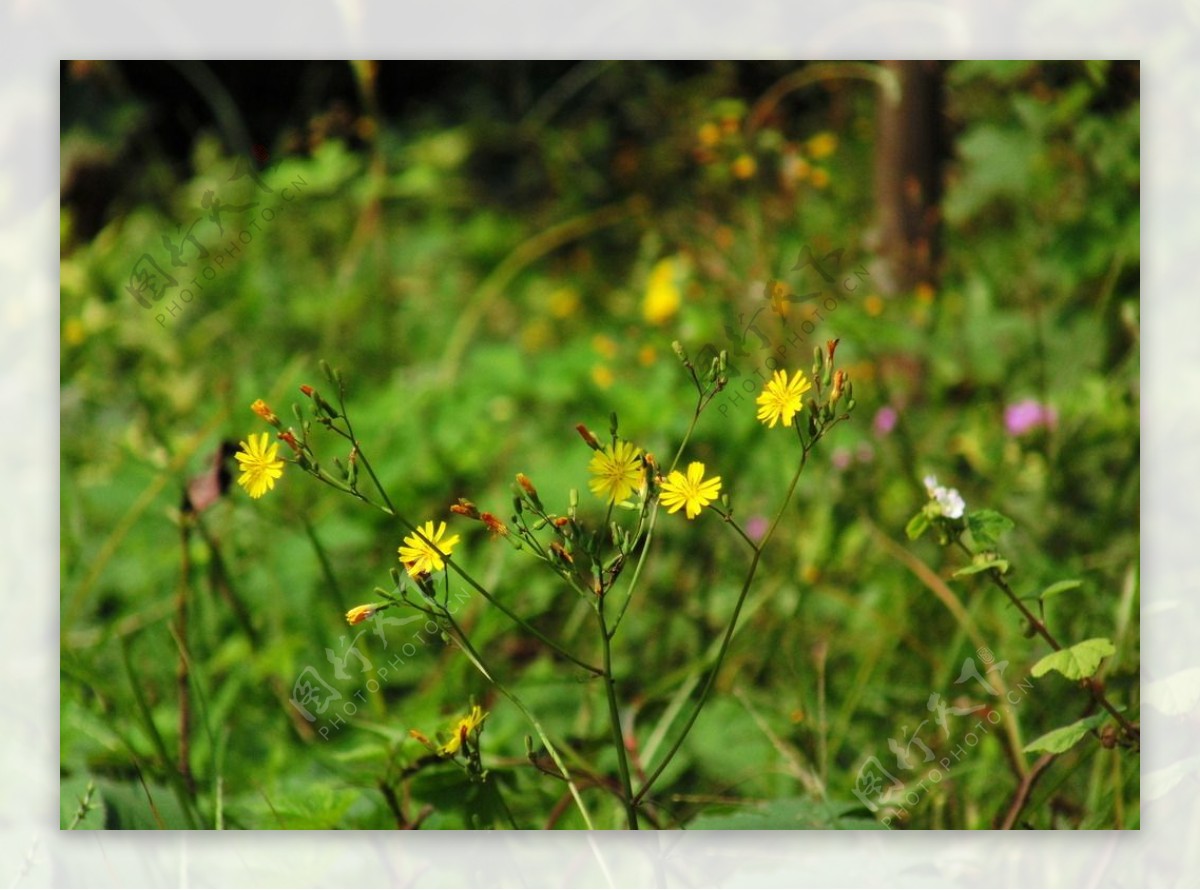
465,508
290,437
682,353
306,389
494,525
263,410
588,437
528,488
839,387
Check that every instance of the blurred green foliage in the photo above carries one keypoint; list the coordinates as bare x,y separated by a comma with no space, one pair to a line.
479,271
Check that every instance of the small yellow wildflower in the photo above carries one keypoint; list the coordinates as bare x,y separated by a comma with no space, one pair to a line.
419,557
692,491
603,376
782,399
822,145
743,167
663,296
616,471
708,134
819,178
259,464
465,726
564,303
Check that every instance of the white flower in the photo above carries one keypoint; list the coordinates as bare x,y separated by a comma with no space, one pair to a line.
949,501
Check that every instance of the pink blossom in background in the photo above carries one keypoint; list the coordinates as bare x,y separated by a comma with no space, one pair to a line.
1027,415
885,420
841,458
756,527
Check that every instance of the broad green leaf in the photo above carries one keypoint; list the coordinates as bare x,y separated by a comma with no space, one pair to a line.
1056,741
986,526
1080,661
1059,587
917,526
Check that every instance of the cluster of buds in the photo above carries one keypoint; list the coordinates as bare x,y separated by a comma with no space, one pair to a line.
492,522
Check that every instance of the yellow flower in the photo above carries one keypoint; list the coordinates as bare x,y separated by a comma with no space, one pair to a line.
822,145
359,614
603,376
616,471
692,491
419,557
743,167
259,465
708,134
782,398
662,292
462,729
819,178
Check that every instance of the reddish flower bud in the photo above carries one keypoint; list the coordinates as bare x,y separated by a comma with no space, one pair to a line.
588,437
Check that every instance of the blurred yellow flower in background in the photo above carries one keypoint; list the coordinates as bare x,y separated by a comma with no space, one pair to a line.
663,296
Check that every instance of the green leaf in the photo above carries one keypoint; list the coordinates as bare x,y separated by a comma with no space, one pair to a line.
986,526
1080,661
917,526
982,565
1059,587
1056,741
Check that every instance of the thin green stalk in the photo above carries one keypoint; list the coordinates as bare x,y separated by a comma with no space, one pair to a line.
614,718
708,683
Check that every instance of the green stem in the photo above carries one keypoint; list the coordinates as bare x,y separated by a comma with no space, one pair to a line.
716,668
614,718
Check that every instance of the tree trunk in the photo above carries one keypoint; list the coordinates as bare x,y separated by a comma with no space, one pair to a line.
908,177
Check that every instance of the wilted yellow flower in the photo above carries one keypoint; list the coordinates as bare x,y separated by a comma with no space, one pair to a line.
359,614
263,410
663,296
465,726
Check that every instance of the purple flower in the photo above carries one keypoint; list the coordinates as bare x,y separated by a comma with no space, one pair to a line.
885,420
1027,415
